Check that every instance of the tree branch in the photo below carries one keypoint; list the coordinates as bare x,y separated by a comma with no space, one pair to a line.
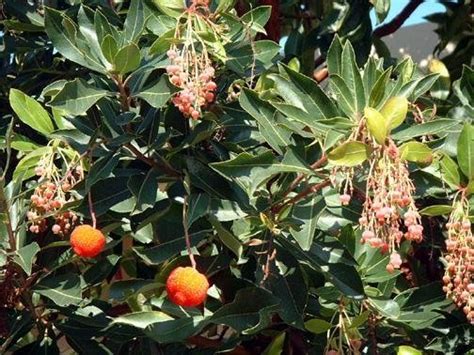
399,20
153,163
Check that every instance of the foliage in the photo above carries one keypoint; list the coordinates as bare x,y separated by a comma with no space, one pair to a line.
329,217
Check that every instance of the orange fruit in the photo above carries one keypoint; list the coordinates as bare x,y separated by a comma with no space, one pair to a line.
87,241
187,287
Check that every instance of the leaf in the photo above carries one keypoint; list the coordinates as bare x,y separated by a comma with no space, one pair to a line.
376,124
25,256
127,59
173,8
351,75
141,320
466,151
442,86
334,56
227,238
450,171
416,152
382,7
307,212
290,286
63,290
387,308
464,87
157,95
165,250
423,85
101,169
225,5
198,206
30,112
317,326
436,210
248,317
408,350
107,193
175,330
395,111
438,127
276,136
378,90
257,18
135,21
62,31
334,262
145,189
109,48
345,97
276,346
77,96
304,94
260,54
349,154
250,172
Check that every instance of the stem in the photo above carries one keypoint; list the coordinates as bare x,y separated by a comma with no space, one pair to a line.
5,209
163,165
124,98
311,189
399,20
317,164
186,232
271,253
91,209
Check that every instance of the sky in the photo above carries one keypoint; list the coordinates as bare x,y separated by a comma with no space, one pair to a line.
426,8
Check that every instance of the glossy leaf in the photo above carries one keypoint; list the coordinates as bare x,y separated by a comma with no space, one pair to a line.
77,96
416,152
395,111
466,151
30,112
127,59
349,154
376,124
24,257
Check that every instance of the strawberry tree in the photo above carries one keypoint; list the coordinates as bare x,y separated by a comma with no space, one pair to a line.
175,181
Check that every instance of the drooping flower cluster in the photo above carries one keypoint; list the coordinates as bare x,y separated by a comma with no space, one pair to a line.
459,275
52,193
389,213
194,74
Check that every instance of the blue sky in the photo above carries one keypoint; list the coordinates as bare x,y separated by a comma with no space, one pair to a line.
426,8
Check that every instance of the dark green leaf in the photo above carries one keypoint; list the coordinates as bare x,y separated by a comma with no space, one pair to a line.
25,256
77,97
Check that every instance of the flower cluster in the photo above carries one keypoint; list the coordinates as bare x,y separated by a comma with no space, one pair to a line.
389,213
459,275
51,194
194,74
203,3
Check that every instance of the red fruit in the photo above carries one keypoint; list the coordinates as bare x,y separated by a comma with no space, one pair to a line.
87,241
187,287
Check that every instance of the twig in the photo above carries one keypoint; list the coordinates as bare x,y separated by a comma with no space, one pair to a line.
91,209
317,164
311,189
153,163
399,20
124,98
186,232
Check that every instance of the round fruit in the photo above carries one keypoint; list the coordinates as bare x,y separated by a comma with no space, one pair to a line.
87,241
187,287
